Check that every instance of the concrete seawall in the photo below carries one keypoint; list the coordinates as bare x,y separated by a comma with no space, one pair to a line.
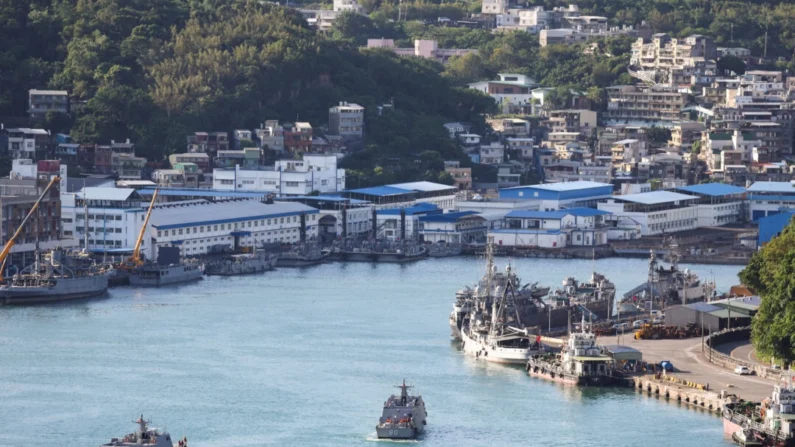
707,400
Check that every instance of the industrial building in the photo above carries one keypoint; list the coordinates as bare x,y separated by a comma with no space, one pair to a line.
719,204
453,228
338,216
554,196
406,194
768,198
657,212
714,315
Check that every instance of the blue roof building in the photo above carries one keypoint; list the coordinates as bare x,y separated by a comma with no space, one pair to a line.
453,228
772,225
401,195
769,198
718,204
553,196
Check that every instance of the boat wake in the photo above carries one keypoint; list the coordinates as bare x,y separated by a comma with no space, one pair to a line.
372,437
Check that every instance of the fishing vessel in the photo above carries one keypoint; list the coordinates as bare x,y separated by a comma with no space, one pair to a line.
772,422
403,416
242,264
303,255
580,362
145,436
493,330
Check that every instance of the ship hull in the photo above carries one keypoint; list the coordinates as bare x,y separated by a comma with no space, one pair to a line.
547,372
367,256
495,354
560,315
249,267
65,289
293,262
397,432
176,275
730,427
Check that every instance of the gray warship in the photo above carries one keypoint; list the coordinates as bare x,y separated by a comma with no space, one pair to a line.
527,297
303,255
242,264
55,276
169,269
594,298
145,436
380,250
403,416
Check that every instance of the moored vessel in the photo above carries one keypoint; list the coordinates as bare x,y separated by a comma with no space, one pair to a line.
580,362
379,250
241,264
303,255
772,422
156,275
145,436
403,416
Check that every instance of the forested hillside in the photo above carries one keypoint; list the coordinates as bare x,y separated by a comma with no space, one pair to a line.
155,71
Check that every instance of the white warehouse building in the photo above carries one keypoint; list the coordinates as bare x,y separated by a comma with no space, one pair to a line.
115,216
657,212
286,177
198,226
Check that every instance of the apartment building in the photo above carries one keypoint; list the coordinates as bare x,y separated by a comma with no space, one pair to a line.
286,177
428,49
628,103
208,142
42,101
346,120
271,136
298,138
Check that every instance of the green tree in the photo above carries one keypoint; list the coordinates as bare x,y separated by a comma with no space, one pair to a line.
771,274
728,64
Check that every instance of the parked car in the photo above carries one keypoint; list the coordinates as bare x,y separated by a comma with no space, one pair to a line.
637,324
621,326
742,370
667,366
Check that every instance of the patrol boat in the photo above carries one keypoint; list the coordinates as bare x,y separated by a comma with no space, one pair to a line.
145,436
403,416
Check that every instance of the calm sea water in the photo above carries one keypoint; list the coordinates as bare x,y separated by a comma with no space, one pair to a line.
306,358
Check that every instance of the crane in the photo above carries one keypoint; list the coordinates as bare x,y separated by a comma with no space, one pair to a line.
135,259
12,240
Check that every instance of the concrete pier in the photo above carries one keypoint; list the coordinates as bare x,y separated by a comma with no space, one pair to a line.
677,392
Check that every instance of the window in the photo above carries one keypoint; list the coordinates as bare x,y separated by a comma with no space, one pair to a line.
180,231
195,230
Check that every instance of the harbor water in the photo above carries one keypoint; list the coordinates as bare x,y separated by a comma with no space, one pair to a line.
306,357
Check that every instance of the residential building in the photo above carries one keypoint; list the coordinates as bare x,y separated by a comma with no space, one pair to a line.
494,6
735,148
509,89
664,52
583,122
554,196
461,176
740,53
657,212
428,49
320,19
208,142
492,154
348,5
127,166
286,177
201,160
242,135
67,152
510,127
299,138
247,158
617,132
628,151
271,136
346,120
719,204
184,175
560,36
28,143
42,101
684,134
462,227
646,104
509,175
454,129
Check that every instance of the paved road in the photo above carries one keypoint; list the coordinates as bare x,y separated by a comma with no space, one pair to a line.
690,363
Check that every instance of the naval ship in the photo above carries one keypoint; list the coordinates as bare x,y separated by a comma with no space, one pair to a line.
303,255
242,264
145,436
593,299
58,276
403,416
380,250
55,277
666,286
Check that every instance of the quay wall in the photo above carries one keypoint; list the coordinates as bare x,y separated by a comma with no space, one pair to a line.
677,392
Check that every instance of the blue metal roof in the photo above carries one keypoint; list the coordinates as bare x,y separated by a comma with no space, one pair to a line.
586,212
201,193
565,186
419,208
523,214
713,189
654,197
381,191
448,217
